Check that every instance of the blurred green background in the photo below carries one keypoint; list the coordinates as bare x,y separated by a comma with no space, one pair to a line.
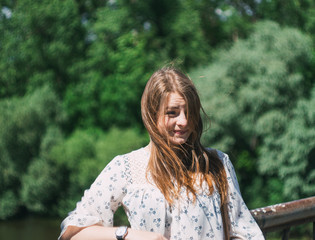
71,77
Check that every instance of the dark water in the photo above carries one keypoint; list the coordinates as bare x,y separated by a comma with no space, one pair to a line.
30,228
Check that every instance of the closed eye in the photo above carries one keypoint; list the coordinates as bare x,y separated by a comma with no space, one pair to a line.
170,113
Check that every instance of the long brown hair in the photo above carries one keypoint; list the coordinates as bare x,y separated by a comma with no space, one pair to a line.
182,164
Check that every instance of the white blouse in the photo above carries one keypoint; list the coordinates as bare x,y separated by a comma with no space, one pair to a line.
123,182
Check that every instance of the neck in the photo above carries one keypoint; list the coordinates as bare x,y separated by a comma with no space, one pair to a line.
148,147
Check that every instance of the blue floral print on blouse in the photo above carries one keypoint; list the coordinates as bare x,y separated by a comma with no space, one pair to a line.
123,182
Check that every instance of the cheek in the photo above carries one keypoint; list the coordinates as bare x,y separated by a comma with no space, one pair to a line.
162,125
168,124
165,125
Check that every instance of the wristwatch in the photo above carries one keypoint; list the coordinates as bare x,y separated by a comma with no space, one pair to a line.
121,232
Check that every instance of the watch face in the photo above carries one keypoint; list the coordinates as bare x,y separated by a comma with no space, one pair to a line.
121,232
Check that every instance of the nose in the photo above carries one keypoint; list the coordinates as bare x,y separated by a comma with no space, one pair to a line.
182,119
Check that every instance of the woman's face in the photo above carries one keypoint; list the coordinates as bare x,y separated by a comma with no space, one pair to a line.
173,119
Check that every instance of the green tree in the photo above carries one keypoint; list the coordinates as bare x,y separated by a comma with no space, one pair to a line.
290,13
25,124
259,95
84,154
41,185
91,59
128,41
39,43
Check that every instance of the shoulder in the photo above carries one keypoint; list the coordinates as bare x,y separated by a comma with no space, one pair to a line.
229,169
125,159
136,154
224,159
120,168
222,156
128,163
137,157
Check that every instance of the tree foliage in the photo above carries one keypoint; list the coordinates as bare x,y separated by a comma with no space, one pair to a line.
25,124
128,40
84,154
260,97
72,74
39,46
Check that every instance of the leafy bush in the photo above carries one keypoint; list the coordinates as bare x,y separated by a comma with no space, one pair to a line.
9,204
40,186
25,123
84,154
260,95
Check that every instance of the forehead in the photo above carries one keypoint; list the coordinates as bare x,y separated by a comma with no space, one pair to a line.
175,100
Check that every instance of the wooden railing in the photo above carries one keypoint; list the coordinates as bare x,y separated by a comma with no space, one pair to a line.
281,217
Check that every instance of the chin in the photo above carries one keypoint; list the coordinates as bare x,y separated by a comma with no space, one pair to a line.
179,141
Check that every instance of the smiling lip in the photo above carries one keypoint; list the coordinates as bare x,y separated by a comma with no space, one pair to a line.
180,132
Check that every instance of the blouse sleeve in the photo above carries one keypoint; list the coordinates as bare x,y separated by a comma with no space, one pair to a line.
105,195
242,223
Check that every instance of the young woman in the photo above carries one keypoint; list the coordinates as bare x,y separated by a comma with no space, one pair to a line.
174,188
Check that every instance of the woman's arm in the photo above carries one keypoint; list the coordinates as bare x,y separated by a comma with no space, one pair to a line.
100,201
242,223
96,232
